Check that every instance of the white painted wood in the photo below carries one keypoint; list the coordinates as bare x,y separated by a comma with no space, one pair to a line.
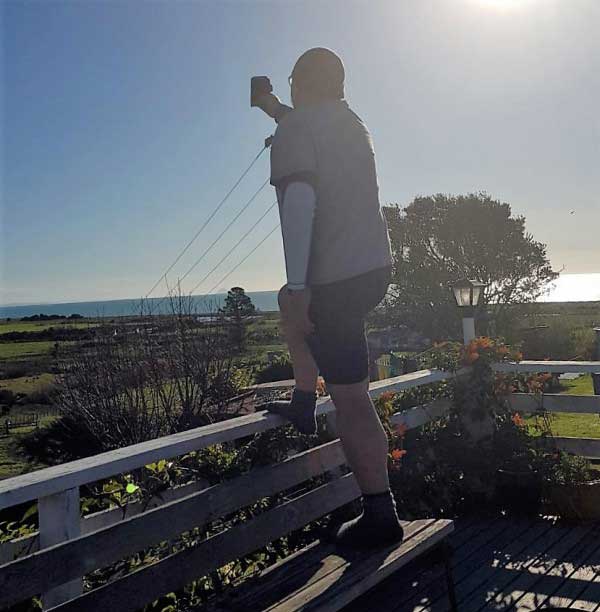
586,447
529,402
468,325
76,473
420,415
9,551
59,521
555,367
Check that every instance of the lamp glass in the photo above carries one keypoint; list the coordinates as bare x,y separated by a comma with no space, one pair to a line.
462,294
467,293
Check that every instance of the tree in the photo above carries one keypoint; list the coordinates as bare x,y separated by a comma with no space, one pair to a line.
440,239
236,310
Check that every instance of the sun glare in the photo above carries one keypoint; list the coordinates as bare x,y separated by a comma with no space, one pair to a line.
502,5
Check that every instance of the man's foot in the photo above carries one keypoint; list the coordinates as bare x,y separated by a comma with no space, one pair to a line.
300,410
376,527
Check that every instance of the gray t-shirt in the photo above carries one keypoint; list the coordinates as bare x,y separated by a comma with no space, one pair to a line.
328,145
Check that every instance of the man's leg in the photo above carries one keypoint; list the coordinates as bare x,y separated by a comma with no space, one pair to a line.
301,409
366,447
362,435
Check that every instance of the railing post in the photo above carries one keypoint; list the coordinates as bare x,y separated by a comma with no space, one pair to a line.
59,517
596,377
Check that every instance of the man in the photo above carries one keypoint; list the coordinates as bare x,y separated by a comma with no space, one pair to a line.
338,262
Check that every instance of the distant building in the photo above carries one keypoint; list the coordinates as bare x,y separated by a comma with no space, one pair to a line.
386,347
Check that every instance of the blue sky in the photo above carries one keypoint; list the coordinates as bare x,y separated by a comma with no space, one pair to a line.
125,122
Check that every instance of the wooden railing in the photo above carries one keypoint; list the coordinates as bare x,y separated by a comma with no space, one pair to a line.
56,489
580,404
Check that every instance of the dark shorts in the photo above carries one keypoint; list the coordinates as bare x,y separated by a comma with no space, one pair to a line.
338,310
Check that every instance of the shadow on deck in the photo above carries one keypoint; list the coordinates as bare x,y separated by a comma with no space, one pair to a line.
501,564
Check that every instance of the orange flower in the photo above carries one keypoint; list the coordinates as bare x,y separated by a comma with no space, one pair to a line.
387,396
401,429
519,356
483,343
398,453
518,420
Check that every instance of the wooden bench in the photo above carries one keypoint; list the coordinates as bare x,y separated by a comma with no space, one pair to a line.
315,578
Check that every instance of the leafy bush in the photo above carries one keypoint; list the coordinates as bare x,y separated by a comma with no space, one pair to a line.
571,470
279,369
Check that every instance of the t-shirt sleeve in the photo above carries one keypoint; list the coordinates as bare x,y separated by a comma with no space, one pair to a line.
293,153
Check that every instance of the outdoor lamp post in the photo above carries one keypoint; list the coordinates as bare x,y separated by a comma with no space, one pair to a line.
467,294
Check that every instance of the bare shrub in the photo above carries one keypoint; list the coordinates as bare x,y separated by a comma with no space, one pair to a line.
148,376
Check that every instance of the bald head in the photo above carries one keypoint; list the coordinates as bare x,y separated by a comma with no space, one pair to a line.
318,75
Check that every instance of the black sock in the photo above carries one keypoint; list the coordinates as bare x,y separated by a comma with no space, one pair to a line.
300,410
378,525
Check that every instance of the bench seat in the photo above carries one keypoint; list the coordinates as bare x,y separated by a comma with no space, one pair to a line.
320,578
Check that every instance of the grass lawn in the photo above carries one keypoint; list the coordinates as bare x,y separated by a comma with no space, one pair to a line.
28,384
578,386
576,425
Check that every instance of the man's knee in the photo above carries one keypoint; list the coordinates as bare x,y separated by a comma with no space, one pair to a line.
347,394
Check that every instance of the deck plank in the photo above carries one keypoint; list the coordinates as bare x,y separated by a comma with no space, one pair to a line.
513,589
567,579
516,556
589,600
479,561
480,571
464,561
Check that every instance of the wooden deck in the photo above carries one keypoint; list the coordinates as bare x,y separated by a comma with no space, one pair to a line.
501,565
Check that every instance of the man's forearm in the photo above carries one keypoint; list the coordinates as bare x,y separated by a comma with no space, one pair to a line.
297,215
281,112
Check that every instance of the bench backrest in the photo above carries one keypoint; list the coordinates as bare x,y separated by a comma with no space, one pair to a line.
48,568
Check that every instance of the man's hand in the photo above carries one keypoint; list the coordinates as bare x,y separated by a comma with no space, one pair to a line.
294,308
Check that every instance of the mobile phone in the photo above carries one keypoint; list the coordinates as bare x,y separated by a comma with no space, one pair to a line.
259,86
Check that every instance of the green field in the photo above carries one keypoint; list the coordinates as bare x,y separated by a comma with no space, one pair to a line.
11,462
28,384
20,350
37,326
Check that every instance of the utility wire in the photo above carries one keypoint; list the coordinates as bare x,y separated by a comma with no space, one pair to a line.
243,260
214,212
235,246
224,231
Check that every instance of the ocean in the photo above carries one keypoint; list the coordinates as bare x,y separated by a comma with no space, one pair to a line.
568,288
263,300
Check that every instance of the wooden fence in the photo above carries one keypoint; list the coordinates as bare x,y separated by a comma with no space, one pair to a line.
56,489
